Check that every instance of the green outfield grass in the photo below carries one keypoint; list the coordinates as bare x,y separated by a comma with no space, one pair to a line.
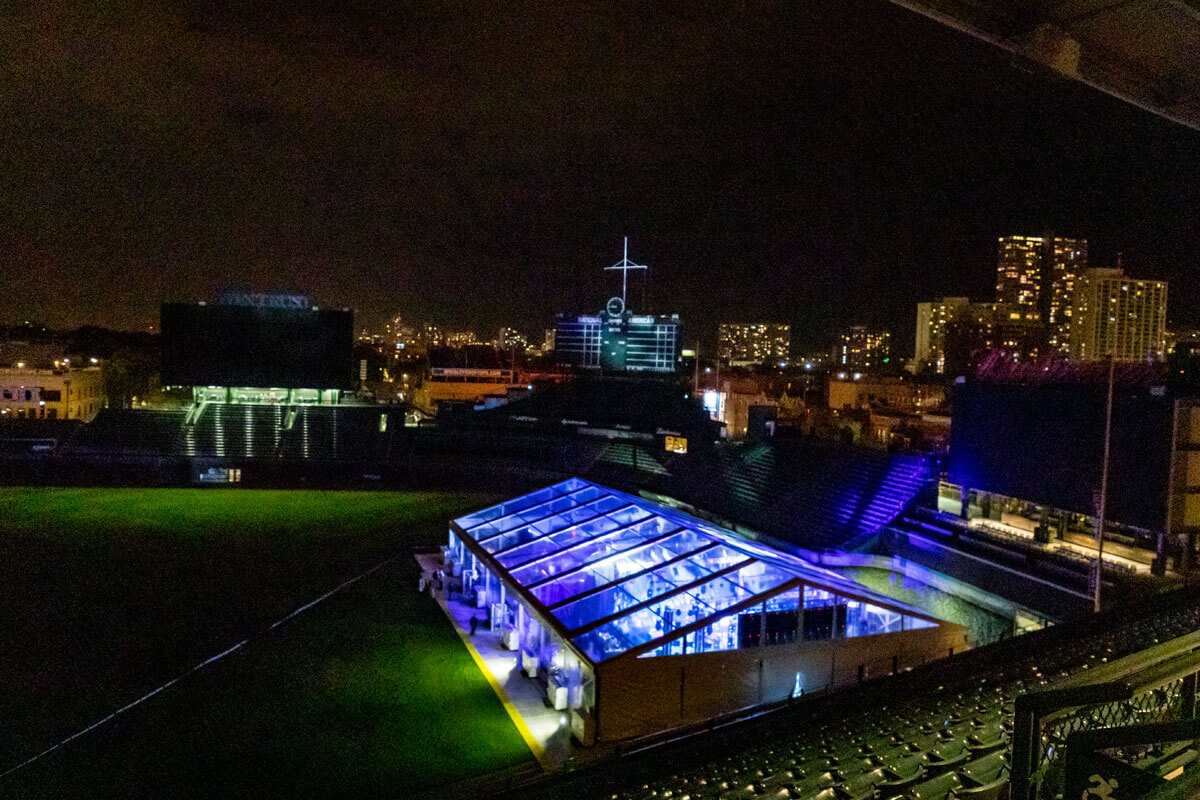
109,592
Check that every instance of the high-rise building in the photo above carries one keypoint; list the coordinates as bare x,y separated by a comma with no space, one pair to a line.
861,349
932,319
744,343
953,334
1068,260
1038,273
1186,337
1019,271
511,340
1120,316
433,336
404,335
982,330
461,338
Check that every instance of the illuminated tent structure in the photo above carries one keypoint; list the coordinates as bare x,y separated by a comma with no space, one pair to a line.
640,618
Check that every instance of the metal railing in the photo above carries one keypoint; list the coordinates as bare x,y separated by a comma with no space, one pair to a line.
1137,759
1155,686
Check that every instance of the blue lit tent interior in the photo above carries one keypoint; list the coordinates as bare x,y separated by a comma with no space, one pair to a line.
639,618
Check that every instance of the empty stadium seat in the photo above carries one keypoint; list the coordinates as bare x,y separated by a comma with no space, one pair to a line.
937,744
939,788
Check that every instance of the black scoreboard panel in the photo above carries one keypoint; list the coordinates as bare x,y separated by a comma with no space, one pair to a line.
232,345
1045,444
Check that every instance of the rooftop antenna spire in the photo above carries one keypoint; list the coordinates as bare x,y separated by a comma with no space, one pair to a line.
625,265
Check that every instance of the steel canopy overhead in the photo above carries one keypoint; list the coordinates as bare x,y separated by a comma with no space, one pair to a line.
620,574
1145,52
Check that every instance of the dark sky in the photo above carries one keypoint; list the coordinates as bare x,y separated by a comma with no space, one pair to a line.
477,164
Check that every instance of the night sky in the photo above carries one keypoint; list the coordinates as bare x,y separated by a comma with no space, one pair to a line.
477,164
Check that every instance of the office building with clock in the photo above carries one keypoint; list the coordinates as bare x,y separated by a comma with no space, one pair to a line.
616,339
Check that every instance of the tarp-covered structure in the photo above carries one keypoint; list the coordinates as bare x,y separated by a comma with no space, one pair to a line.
640,618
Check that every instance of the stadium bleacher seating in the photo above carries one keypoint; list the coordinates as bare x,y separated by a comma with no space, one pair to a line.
809,492
235,431
289,432
942,732
631,456
337,433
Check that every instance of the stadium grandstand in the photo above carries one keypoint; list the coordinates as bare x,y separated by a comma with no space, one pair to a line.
810,493
806,495
256,364
794,514
269,377
990,723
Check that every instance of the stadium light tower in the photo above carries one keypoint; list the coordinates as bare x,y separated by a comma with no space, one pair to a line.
625,265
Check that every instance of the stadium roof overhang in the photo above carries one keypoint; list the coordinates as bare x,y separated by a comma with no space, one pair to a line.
1145,52
609,572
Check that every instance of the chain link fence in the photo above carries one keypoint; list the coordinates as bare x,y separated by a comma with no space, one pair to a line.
1165,703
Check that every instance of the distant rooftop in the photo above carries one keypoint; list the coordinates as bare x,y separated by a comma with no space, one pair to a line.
633,403
472,356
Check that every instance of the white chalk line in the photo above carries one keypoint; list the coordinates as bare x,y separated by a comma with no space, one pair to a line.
196,668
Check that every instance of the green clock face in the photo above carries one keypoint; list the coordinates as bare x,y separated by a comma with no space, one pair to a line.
615,307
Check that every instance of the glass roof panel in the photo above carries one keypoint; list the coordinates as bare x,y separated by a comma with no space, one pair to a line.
602,643
509,507
558,522
616,567
538,513
593,607
589,553
759,577
603,546
681,573
626,594
720,593
556,542
718,558
564,587
641,626
631,514
649,586
655,552
571,484
534,513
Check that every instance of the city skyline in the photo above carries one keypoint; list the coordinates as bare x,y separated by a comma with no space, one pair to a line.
797,165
